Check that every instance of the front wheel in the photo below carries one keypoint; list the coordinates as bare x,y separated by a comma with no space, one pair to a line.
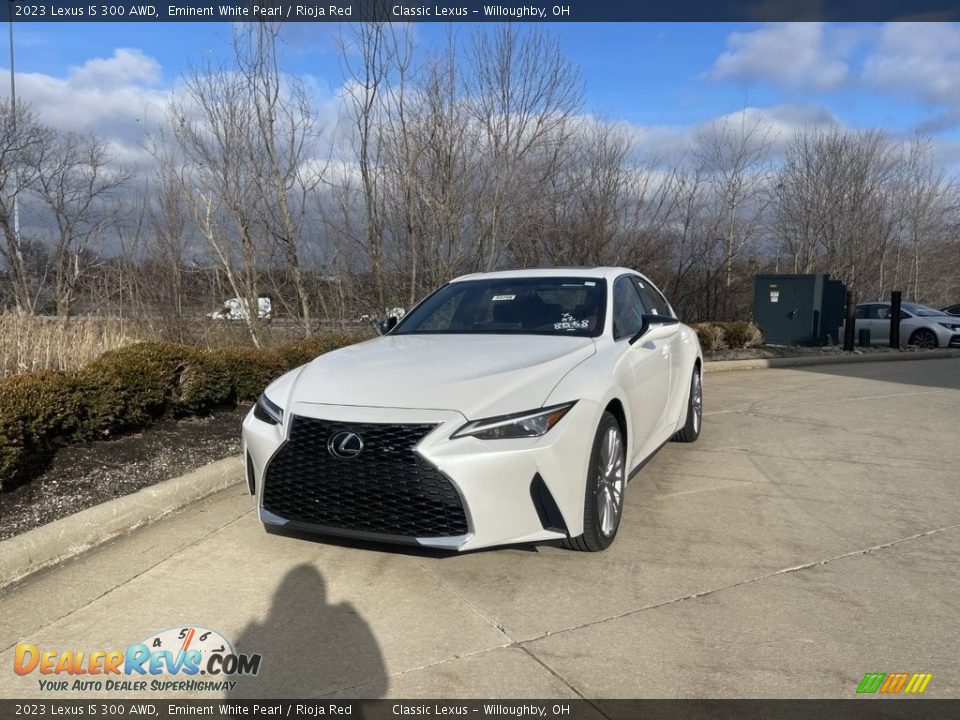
924,338
691,428
606,483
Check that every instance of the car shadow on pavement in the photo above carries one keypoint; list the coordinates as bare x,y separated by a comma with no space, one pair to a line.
929,373
309,647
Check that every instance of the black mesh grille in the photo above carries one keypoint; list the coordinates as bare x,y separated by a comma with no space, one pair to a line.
388,488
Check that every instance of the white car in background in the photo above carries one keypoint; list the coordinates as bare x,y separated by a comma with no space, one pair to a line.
236,309
920,325
506,407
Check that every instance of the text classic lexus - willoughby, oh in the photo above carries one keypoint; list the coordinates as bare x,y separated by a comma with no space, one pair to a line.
506,407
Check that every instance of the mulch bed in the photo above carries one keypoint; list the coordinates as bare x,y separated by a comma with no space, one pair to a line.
87,474
782,351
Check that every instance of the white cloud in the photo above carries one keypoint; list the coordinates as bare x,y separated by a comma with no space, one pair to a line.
776,126
779,123
917,60
113,97
126,66
791,54
121,98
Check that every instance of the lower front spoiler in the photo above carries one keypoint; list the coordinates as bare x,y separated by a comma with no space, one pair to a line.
273,521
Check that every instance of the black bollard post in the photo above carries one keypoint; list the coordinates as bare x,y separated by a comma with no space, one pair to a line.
848,325
895,319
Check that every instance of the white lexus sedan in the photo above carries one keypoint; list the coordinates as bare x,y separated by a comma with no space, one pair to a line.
506,407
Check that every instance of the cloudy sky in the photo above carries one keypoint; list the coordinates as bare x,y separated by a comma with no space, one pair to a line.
664,79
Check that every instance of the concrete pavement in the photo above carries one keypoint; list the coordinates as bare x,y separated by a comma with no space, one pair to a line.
810,536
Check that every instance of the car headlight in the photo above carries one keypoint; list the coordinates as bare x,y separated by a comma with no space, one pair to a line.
951,326
268,411
532,423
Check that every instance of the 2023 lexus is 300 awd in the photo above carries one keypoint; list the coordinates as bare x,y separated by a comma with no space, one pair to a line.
505,407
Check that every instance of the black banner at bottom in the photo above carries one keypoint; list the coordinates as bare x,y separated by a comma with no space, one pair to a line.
854,709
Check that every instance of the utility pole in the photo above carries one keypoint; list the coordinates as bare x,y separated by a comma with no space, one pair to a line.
16,169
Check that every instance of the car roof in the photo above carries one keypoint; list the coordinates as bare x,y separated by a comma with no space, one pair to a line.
608,273
887,302
905,302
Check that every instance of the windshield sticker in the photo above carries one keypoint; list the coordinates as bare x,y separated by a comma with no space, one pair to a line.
504,297
590,283
568,322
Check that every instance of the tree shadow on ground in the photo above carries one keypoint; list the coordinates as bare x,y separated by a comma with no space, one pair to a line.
309,647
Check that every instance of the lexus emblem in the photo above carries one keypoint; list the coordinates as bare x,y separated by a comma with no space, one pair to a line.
345,445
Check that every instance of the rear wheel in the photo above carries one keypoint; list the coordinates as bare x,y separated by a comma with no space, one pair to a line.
691,429
924,338
606,483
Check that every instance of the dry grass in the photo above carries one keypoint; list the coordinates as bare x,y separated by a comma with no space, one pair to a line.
41,343
29,344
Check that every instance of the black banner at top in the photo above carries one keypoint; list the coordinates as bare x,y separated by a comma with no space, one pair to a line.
479,10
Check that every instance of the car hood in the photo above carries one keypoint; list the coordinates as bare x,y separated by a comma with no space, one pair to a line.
477,375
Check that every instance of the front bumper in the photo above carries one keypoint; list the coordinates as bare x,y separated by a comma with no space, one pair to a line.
511,491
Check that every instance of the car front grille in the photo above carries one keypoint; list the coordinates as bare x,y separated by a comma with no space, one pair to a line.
387,488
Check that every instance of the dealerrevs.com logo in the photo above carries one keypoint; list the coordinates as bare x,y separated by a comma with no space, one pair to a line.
204,660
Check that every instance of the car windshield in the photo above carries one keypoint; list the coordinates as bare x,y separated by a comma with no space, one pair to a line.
921,310
525,306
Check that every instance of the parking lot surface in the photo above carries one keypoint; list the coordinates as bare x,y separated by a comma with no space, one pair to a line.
810,536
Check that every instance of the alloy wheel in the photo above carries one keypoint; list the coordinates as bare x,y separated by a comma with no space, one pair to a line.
611,480
696,401
925,339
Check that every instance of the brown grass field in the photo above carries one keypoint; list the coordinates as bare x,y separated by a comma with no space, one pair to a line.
29,344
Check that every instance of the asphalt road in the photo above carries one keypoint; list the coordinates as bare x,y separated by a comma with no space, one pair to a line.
809,537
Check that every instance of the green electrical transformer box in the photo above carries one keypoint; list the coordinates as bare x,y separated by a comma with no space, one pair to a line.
799,309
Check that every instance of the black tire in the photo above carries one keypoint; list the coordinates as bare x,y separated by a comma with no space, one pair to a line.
599,527
691,428
924,338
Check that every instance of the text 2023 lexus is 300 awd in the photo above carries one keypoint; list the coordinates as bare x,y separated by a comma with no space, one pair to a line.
506,407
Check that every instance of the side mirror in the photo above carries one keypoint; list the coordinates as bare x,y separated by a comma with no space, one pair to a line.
655,327
388,324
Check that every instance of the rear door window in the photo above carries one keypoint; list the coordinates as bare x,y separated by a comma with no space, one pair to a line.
654,302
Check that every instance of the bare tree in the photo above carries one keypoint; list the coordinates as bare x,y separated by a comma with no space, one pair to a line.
22,139
367,80
446,173
165,253
75,179
212,127
868,208
523,92
733,157
928,202
280,150
606,203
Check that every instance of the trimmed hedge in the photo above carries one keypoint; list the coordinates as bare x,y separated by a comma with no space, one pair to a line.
716,336
129,388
